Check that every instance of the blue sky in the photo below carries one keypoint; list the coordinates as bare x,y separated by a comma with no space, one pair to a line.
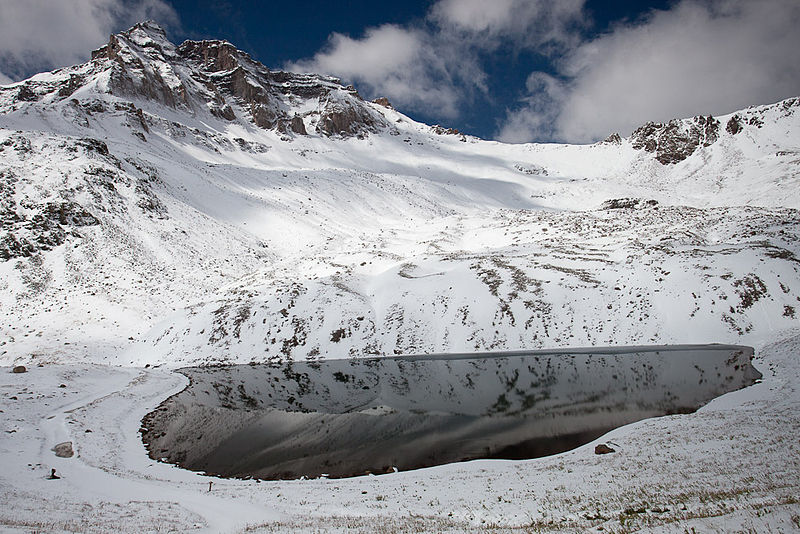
515,70
281,33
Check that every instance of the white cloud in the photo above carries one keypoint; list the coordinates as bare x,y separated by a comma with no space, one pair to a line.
436,66
524,23
540,113
700,57
407,65
475,15
43,34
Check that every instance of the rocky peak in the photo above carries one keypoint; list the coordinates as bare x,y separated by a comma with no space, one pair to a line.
212,56
210,77
676,140
143,65
145,37
237,81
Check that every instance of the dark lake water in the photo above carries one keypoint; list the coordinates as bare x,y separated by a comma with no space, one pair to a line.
342,418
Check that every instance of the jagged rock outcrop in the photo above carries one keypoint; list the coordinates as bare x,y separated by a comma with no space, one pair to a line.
628,203
676,140
142,61
207,77
383,101
230,79
734,125
343,117
441,130
47,228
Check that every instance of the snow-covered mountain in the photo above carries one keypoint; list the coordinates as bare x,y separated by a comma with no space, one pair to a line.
184,204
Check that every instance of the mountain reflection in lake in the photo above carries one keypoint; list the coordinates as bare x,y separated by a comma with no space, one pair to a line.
349,417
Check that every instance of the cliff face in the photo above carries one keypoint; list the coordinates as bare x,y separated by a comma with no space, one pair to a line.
677,139
210,77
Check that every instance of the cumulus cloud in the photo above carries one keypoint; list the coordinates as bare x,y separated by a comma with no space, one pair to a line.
524,23
38,35
538,117
407,65
700,57
436,66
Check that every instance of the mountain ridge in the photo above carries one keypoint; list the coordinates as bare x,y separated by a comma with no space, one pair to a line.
142,222
221,70
209,76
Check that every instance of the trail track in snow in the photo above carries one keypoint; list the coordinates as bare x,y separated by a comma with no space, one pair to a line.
110,484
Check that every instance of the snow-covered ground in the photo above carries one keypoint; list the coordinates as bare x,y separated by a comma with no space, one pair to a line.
732,466
158,209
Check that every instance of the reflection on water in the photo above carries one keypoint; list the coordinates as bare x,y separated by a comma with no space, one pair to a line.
349,417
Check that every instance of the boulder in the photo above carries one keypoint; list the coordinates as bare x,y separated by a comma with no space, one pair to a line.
19,369
603,449
64,450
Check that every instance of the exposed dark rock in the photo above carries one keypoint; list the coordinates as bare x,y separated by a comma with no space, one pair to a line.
74,83
215,56
530,169
231,73
734,125
215,76
225,112
251,146
8,181
627,203
69,214
613,139
343,118
19,369
297,125
676,140
383,101
603,449
46,233
24,236
13,247
93,145
64,450
139,114
439,130
750,289
18,142
92,106
337,335
263,116
130,76
25,94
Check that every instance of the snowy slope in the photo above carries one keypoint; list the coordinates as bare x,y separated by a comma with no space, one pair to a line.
164,204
